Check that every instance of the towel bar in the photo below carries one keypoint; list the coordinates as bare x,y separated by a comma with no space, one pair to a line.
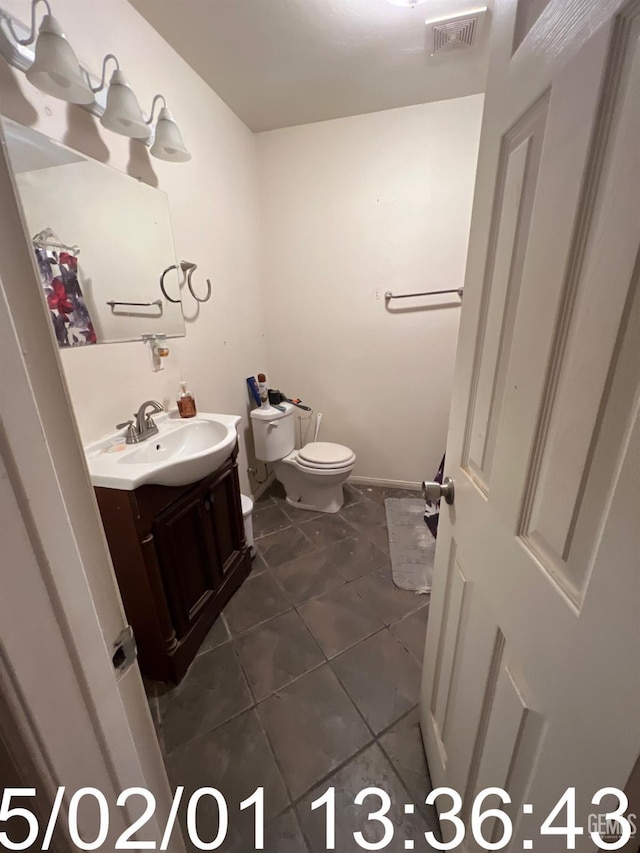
157,302
388,295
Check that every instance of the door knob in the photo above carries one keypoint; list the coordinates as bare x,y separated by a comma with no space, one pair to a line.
432,491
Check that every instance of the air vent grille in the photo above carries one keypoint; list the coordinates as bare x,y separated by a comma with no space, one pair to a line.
454,33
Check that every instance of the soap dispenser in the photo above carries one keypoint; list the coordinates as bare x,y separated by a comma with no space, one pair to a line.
186,402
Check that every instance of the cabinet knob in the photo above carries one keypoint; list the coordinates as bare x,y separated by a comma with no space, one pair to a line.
207,505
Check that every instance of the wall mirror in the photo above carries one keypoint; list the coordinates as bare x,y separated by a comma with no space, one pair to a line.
102,240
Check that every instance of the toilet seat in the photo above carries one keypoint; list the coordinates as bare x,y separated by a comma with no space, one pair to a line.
321,455
305,466
320,469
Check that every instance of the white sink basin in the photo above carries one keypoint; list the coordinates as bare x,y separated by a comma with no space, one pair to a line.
182,452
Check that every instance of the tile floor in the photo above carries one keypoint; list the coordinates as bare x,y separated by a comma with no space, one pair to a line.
310,679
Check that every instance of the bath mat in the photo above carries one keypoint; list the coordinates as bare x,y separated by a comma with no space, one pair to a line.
411,544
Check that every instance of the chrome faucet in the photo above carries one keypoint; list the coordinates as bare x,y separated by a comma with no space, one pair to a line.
143,427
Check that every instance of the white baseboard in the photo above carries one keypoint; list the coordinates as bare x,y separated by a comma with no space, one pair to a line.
389,484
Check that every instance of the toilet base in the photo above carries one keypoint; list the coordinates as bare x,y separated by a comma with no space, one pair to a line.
313,492
332,505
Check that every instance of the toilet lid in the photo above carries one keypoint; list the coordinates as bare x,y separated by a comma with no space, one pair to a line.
325,453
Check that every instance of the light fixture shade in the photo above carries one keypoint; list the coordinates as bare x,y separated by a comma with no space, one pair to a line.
55,69
168,144
123,114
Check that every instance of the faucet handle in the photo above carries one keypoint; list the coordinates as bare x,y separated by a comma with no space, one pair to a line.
131,434
157,408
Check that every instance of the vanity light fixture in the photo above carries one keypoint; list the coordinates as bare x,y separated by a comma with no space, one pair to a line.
167,142
409,4
122,114
55,69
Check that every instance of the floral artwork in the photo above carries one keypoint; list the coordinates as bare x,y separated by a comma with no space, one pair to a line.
69,313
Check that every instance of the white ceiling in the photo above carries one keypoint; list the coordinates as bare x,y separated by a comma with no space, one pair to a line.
278,63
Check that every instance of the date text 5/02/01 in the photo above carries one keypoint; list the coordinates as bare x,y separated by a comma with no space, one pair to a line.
609,830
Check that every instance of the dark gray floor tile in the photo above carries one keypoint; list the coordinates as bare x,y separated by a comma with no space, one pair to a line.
365,514
264,500
154,709
379,495
217,635
313,727
285,545
151,690
403,746
340,619
275,653
355,556
151,687
236,759
379,537
308,577
211,692
384,597
282,835
269,520
257,600
412,630
297,515
325,529
370,493
276,492
368,769
164,694
381,677
352,494
258,565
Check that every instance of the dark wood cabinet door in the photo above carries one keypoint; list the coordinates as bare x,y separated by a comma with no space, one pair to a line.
191,570
225,519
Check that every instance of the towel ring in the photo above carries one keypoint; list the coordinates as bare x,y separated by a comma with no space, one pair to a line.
190,268
164,292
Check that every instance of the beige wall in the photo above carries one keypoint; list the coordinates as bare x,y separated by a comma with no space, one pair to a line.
350,209
214,211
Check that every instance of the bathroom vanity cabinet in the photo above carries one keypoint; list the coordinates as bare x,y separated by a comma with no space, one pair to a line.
179,554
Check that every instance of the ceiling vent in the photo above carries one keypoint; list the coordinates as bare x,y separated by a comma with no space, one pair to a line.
456,32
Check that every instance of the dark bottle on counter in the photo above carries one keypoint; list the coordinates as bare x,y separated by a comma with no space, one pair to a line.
186,402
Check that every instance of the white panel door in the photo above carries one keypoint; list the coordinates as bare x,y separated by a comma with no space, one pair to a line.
531,678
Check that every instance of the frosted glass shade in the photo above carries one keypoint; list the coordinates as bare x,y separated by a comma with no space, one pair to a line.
123,114
55,69
168,144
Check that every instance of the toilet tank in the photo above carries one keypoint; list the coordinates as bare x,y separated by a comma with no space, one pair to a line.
273,432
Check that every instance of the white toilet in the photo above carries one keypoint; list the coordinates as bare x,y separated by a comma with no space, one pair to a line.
312,476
